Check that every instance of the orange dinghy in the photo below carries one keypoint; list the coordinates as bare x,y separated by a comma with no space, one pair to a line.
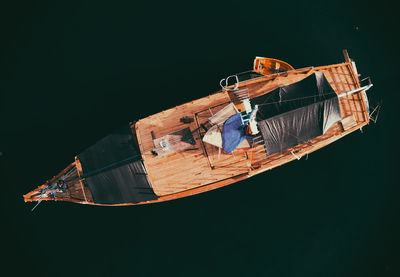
271,115
267,66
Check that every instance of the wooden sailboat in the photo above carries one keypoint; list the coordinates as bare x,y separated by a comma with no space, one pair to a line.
183,151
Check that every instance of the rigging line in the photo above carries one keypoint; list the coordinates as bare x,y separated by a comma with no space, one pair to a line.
64,178
110,166
82,187
83,190
295,99
194,133
172,142
290,134
351,92
182,138
66,175
175,141
179,139
73,179
39,201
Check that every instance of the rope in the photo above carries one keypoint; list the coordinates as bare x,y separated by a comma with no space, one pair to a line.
40,200
172,142
66,175
295,99
110,165
177,140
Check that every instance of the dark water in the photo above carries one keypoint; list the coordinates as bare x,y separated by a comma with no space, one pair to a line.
70,73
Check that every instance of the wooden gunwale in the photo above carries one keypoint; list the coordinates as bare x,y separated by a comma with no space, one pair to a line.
207,181
278,81
81,180
28,196
361,93
231,180
201,142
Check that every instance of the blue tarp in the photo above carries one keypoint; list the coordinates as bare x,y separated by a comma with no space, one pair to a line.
232,133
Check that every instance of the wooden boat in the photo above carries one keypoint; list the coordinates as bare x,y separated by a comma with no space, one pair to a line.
267,66
182,151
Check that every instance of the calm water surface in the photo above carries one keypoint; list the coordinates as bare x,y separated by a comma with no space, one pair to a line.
70,73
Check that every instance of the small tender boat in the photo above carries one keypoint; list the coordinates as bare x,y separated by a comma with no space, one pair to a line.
266,117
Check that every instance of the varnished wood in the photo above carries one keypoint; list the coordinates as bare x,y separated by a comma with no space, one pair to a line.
203,167
267,66
186,171
75,191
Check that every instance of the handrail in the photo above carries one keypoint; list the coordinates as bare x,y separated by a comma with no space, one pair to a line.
226,83
263,76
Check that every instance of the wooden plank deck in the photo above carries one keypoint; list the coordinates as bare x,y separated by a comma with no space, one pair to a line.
186,169
204,164
76,190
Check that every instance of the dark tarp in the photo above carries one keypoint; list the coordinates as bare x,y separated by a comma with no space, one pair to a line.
113,170
116,147
296,113
125,184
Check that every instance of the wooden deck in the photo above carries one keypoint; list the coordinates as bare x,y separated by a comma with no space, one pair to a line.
179,165
76,190
203,164
189,168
